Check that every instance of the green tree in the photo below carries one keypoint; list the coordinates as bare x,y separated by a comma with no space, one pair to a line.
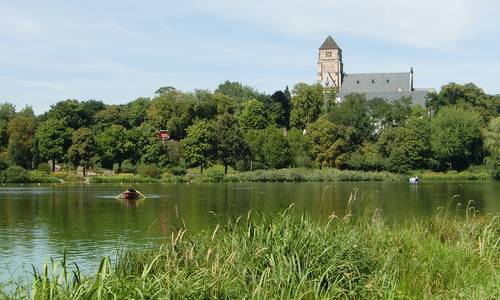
53,138
237,91
231,146
199,145
456,137
114,146
21,131
330,143
71,112
297,142
83,150
407,147
307,103
492,144
253,115
7,111
269,148
164,90
284,107
354,112
468,95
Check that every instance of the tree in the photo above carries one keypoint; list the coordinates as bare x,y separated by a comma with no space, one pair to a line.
71,112
115,145
354,112
269,148
330,143
176,111
283,109
407,147
53,138
237,91
253,115
164,90
456,137
468,95
492,144
297,143
21,130
231,146
7,111
199,145
83,149
307,103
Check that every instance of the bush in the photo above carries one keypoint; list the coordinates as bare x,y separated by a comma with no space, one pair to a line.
45,168
4,164
42,177
214,176
14,174
178,171
128,167
150,170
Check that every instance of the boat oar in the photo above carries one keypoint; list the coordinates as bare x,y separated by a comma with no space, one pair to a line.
140,193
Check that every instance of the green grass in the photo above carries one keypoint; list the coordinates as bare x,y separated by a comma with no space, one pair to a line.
454,175
291,256
298,175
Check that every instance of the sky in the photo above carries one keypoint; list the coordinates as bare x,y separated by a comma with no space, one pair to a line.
117,51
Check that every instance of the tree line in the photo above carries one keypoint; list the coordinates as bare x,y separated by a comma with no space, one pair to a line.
237,126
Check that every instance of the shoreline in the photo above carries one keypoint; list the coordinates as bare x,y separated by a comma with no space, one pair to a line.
215,175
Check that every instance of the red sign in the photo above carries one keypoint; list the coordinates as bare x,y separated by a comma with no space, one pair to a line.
164,135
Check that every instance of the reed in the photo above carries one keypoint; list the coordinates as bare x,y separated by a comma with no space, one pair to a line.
289,255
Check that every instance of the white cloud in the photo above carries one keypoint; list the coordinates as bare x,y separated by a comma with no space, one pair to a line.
17,26
424,23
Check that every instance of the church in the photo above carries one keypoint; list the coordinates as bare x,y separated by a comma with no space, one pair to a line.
388,86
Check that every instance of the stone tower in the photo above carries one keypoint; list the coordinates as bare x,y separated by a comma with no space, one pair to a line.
330,67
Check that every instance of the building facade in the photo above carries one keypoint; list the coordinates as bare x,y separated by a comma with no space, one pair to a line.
388,86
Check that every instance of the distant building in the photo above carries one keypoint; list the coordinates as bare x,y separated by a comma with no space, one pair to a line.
388,86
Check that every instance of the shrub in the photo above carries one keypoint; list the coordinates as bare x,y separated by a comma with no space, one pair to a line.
214,176
4,164
149,170
128,167
14,174
42,177
45,168
178,171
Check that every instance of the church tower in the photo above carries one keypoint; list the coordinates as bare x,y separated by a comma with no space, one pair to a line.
330,67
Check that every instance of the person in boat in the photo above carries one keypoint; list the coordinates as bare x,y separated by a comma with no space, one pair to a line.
132,193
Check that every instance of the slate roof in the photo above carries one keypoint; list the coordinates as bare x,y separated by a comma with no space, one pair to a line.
329,43
376,82
388,86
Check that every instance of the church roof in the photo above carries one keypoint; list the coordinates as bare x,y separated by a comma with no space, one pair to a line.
329,43
388,86
376,82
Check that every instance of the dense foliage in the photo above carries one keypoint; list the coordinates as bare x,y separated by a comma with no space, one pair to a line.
239,127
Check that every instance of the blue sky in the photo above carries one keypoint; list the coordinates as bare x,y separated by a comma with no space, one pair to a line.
116,51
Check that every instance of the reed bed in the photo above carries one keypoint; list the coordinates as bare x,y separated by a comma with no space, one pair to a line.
292,256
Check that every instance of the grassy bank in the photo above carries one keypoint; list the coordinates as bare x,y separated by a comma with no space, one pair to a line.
283,175
286,256
480,174
216,174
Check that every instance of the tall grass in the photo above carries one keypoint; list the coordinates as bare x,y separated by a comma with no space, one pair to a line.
292,256
297,175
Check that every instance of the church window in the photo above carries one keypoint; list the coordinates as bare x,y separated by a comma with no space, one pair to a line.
357,81
328,53
373,80
387,80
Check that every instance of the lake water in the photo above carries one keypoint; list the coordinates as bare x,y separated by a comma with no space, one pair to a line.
38,222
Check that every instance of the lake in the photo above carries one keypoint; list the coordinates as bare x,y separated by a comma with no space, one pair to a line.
38,222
